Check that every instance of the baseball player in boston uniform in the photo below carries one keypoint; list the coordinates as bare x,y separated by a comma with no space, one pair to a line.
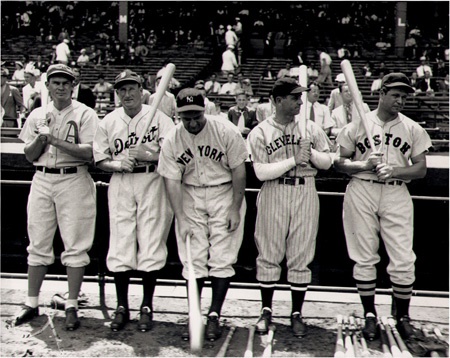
59,143
377,201
140,213
288,204
203,163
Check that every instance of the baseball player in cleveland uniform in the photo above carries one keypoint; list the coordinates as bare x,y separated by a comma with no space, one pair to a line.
377,201
59,143
140,213
203,163
288,204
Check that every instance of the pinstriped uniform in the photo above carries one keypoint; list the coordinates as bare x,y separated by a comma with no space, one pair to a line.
287,219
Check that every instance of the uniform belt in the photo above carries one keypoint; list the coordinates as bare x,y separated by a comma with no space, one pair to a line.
209,186
291,180
147,169
393,182
67,170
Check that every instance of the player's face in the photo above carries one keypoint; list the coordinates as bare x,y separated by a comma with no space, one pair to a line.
193,121
393,101
60,88
290,105
241,101
130,96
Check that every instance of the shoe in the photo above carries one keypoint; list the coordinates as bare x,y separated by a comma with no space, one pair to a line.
370,330
26,314
72,321
298,327
213,330
145,320
121,317
405,328
262,325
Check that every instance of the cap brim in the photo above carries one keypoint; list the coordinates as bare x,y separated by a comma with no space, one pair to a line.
117,84
402,85
191,107
299,90
61,73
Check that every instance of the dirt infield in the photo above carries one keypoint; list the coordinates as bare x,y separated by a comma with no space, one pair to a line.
95,339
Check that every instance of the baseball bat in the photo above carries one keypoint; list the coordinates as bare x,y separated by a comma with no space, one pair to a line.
251,335
398,338
339,350
356,344
357,100
362,340
226,343
349,350
196,326
384,340
268,350
162,87
439,336
396,352
427,333
44,103
303,81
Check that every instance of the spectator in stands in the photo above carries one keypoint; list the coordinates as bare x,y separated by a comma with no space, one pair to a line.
343,52
83,59
441,68
199,44
443,85
410,48
11,101
423,67
427,85
381,68
383,45
152,39
229,61
229,87
40,64
325,71
63,52
81,92
220,36
18,76
231,38
174,83
314,111
284,72
141,50
297,61
414,80
210,107
241,115
346,112
367,70
335,94
269,44
212,86
267,73
32,90
376,84
264,110
244,84
313,73
168,103
102,90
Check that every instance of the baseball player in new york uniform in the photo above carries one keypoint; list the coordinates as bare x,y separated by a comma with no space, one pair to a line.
203,163
288,204
59,143
140,213
377,201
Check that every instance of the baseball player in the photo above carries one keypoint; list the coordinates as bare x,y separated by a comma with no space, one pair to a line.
203,164
377,201
288,204
140,213
59,144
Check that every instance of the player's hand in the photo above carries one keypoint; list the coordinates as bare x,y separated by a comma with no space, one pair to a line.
374,159
184,228
304,154
384,171
245,131
233,220
127,165
140,153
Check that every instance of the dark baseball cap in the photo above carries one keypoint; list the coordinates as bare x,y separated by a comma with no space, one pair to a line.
286,86
127,76
397,80
190,99
61,70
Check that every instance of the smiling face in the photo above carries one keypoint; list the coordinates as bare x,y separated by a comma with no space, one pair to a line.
130,95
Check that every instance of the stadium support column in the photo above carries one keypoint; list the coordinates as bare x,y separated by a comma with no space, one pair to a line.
123,21
400,28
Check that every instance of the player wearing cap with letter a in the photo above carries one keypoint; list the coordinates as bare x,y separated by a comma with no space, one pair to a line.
377,201
59,144
288,204
203,163
140,213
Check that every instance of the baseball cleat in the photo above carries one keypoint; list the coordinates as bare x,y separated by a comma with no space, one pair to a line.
213,330
25,314
370,330
405,328
121,317
72,321
262,325
298,327
145,320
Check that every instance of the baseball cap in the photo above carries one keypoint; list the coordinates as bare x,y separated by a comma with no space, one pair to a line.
127,76
340,78
423,58
190,99
397,79
200,84
60,69
83,50
286,86
5,71
19,63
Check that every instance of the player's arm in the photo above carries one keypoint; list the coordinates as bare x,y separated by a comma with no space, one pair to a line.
343,162
417,170
81,151
34,149
238,176
175,192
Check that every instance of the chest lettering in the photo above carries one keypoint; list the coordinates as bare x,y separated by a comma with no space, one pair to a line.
72,133
281,142
120,145
389,140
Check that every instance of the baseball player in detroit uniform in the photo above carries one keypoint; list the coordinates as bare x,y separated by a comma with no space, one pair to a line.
377,201
288,204
140,214
203,163
59,143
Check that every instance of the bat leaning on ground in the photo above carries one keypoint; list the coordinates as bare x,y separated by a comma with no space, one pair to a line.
357,99
349,349
384,340
339,350
356,344
249,349
364,348
226,343
268,350
398,338
395,350
196,326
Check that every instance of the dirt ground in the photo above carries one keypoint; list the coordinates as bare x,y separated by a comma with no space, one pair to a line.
95,339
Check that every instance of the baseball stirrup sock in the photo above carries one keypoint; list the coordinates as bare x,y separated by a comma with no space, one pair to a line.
298,292
200,284
366,290
402,297
122,281
219,287
148,284
267,290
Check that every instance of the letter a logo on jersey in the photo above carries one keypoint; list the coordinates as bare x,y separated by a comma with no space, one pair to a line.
189,99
